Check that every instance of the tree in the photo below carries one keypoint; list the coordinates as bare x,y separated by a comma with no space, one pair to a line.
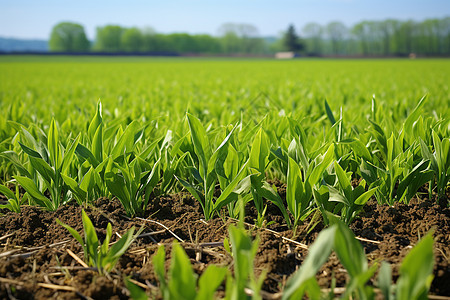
132,40
182,42
109,38
68,37
207,44
150,41
388,28
291,40
249,34
313,32
230,42
360,30
406,33
337,32
240,38
241,30
444,36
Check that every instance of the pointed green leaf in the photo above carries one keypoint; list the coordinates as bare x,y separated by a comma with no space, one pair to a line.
385,280
53,145
344,182
34,192
349,251
86,154
12,157
201,143
182,282
294,189
30,151
317,172
126,140
80,194
158,264
121,246
416,270
414,115
96,122
97,144
90,237
224,196
210,281
136,293
7,192
69,153
317,256
73,232
259,152
361,200
329,113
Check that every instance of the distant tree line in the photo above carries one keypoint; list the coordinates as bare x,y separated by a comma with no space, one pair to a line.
232,39
235,38
388,37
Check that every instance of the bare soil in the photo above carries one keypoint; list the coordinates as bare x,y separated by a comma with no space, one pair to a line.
35,264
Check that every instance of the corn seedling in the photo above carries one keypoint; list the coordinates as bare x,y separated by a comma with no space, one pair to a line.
243,250
101,256
299,190
209,164
304,279
13,198
352,198
181,281
46,168
259,188
132,182
413,283
440,162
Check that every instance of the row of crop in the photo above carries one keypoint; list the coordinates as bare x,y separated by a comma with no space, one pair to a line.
133,166
219,93
180,282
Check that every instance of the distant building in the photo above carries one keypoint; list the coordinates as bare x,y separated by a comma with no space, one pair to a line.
285,55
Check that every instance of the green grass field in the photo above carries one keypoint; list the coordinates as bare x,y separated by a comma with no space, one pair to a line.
336,132
158,87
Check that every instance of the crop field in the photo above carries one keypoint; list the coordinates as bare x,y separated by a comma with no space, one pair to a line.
196,178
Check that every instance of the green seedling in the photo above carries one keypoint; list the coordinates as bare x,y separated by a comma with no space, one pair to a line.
303,178
132,183
304,279
101,256
259,188
96,156
46,169
13,198
440,162
181,281
243,250
352,198
209,165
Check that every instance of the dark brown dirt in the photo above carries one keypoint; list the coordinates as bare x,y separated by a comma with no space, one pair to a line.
24,271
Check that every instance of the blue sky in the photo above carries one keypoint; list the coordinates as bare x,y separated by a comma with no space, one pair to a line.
34,19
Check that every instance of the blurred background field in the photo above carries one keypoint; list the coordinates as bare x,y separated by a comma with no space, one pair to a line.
36,89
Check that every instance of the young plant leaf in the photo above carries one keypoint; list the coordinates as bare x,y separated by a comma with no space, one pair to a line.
318,254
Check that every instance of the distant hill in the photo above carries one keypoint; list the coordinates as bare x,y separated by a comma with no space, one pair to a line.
13,45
